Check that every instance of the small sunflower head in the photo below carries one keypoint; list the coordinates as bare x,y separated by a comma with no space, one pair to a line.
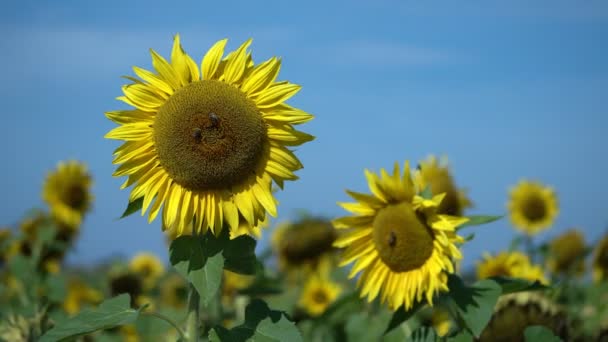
318,294
232,283
404,248
436,175
567,253
174,291
67,191
148,267
532,206
600,260
510,264
515,312
79,295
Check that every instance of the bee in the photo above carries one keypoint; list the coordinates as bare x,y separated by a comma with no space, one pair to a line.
197,134
215,120
392,239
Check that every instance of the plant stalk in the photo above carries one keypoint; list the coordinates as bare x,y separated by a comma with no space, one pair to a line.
193,318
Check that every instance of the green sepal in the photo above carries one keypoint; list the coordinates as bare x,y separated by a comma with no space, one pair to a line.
133,207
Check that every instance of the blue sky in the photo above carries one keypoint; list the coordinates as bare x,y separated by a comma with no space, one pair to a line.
506,90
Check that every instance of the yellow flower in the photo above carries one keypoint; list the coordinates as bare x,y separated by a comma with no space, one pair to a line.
441,322
129,333
80,294
403,248
533,207
67,192
567,253
149,267
510,264
318,293
174,291
233,282
437,176
515,312
208,143
600,260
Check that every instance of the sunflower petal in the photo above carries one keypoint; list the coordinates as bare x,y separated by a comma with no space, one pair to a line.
212,59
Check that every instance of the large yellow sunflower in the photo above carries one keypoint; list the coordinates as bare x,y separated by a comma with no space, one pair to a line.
208,143
436,174
67,192
600,260
533,207
510,264
396,238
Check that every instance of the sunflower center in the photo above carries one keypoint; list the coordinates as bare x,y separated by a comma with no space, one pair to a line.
320,296
209,136
534,208
75,196
403,240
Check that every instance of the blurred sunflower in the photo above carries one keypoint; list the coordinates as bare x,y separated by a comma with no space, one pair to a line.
301,245
510,264
149,267
533,207
78,295
567,253
318,294
437,176
5,242
438,318
232,283
208,146
402,246
126,282
174,291
67,192
515,312
600,260
129,333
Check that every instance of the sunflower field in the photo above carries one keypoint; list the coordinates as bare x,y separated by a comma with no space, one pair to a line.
204,145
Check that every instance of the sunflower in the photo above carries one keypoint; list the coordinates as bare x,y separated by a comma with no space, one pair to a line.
437,176
600,260
126,282
510,264
567,253
533,207
174,291
403,247
515,312
80,294
318,294
232,283
208,143
67,192
149,267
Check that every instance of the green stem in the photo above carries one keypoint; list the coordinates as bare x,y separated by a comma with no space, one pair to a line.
193,319
168,320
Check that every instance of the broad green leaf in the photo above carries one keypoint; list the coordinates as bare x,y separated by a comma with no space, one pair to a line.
539,333
476,220
510,285
240,255
341,309
424,334
281,330
475,304
463,336
133,207
111,313
401,315
190,256
56,288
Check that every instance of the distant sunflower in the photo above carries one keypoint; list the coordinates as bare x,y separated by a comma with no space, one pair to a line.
437,176
174,291
567,253
600,260
404,249
232,283
126,282
68,192
532,206
78,295
149,267
318,294
510,264
441,321
515,312
208,146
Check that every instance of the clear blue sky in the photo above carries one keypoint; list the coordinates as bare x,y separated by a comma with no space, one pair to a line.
506,90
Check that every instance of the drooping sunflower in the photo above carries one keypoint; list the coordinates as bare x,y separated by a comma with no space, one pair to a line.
600,260
318,294
510,264
532,206
399,242
436,174
78,295
208,142
174,291
515,312
148,266
567,253
68,192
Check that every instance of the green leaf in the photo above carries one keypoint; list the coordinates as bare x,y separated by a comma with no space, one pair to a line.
401,315
190,256
111,313
463,336
133,207
475,304
539,333
476,220
424,334
56,288
281,330
469,237
510,285
240,255
427,193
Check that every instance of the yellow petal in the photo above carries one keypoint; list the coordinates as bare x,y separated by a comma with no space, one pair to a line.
212,59
235,66
261,76
276,94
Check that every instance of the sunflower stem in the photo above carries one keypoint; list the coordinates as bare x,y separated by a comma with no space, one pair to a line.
193,318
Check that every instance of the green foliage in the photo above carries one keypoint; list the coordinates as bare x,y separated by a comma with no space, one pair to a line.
539,333
424,334
511,285
240,255
402,315
111,313
477,220
133,207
